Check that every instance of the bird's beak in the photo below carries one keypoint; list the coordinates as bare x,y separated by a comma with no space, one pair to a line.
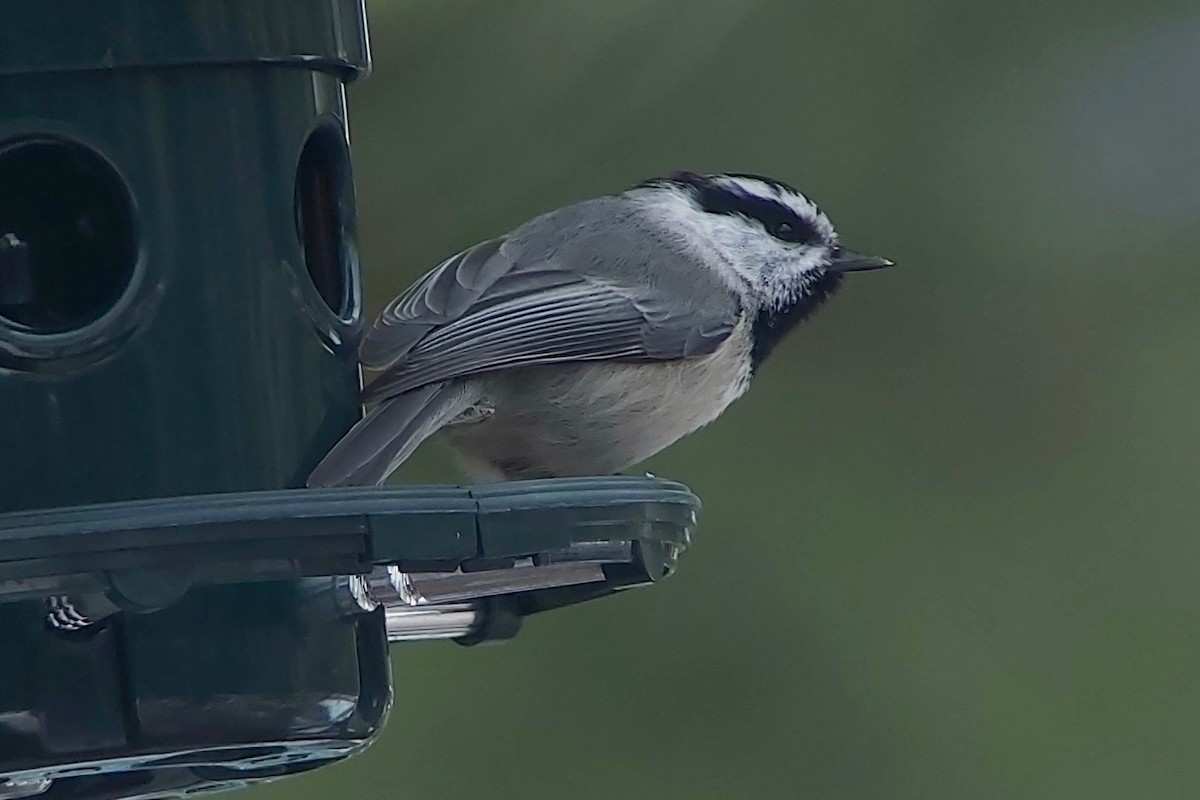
849,261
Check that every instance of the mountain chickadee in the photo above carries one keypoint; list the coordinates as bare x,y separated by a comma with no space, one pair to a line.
594,336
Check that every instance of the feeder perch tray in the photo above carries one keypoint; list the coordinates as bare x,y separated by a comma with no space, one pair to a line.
174,609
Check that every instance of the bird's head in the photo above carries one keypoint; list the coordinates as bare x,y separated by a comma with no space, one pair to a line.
774,243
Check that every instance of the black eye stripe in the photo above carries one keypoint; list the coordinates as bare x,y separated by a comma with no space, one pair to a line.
773,215
718,198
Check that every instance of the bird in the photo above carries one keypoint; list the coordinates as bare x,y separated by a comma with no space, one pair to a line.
594,336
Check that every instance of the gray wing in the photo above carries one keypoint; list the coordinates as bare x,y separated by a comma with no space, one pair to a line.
504,304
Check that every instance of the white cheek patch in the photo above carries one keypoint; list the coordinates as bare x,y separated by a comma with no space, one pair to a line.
710,240
750,261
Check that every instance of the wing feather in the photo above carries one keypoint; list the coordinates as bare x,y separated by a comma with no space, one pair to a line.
497,305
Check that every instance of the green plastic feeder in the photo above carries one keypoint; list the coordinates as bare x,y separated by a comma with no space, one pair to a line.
179,314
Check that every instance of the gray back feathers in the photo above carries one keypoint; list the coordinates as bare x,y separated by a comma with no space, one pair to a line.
592,281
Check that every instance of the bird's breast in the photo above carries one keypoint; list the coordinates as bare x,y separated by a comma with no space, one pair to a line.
597,418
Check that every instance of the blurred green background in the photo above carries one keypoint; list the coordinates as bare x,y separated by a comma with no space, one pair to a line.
949,544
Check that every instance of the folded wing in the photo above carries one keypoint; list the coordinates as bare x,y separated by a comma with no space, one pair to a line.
493,307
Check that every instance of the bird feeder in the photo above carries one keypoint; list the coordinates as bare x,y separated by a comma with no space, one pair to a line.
179,314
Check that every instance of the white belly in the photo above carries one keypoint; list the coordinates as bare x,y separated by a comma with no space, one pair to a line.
596,419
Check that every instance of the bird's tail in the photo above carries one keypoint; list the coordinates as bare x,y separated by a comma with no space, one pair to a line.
388,434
